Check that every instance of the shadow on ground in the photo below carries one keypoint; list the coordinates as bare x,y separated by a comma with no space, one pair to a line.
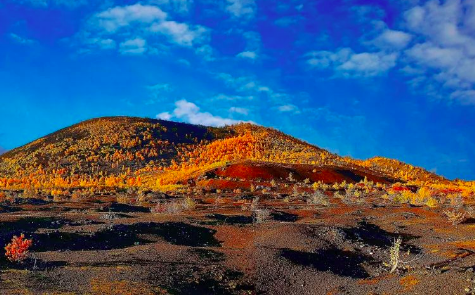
373,235
27,225
123,236
231,219
339,262
124,208
284,216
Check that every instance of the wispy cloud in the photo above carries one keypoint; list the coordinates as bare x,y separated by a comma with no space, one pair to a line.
191,113
251,87
180,33
21,40
346,63
179,6
247,55
149,24
133,46
242,111
158,92
392,39
445,50
223,96
253,46
241,8
288,108
434,46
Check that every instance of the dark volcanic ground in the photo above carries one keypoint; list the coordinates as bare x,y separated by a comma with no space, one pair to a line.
219,248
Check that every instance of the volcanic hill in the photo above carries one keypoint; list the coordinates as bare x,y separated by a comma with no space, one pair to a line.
128,151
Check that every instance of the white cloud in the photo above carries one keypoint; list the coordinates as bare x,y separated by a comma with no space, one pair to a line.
105,43
391,39
206,52
180,33
160,87
118,17
368,64
165,116
346,63
21,40
445,51
247,55
465,96
241,8
149,24
253,46
133,46
191,113
180,6
434,56
242,111
251,88
288,108
233,97
434,46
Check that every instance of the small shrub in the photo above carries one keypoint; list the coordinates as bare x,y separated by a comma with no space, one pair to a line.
167,208
431,202
217,201
3,197
470,211
338,195
109,216
398,198
17,250
291,177
318,198
394,255
456,201
123,199
141,197
260,215
424,193
174,207
254,204
189,203
454,217
295,191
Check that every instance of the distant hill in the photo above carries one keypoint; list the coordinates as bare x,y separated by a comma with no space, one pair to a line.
164,152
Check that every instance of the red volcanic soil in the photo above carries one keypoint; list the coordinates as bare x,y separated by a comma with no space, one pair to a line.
253,171
218,248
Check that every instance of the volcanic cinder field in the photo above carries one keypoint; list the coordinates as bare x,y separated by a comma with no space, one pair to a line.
228,243
138,206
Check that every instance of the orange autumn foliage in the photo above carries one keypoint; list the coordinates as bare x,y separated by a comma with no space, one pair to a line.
123,152
17,250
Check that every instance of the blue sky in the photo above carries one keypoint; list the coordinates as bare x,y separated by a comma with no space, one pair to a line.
359,78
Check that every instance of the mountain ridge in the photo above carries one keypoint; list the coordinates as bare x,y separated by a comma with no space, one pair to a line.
167,152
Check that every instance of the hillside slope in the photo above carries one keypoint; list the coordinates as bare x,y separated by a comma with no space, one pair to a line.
130,151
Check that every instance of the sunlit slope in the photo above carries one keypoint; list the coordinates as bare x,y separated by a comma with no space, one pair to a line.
120,151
